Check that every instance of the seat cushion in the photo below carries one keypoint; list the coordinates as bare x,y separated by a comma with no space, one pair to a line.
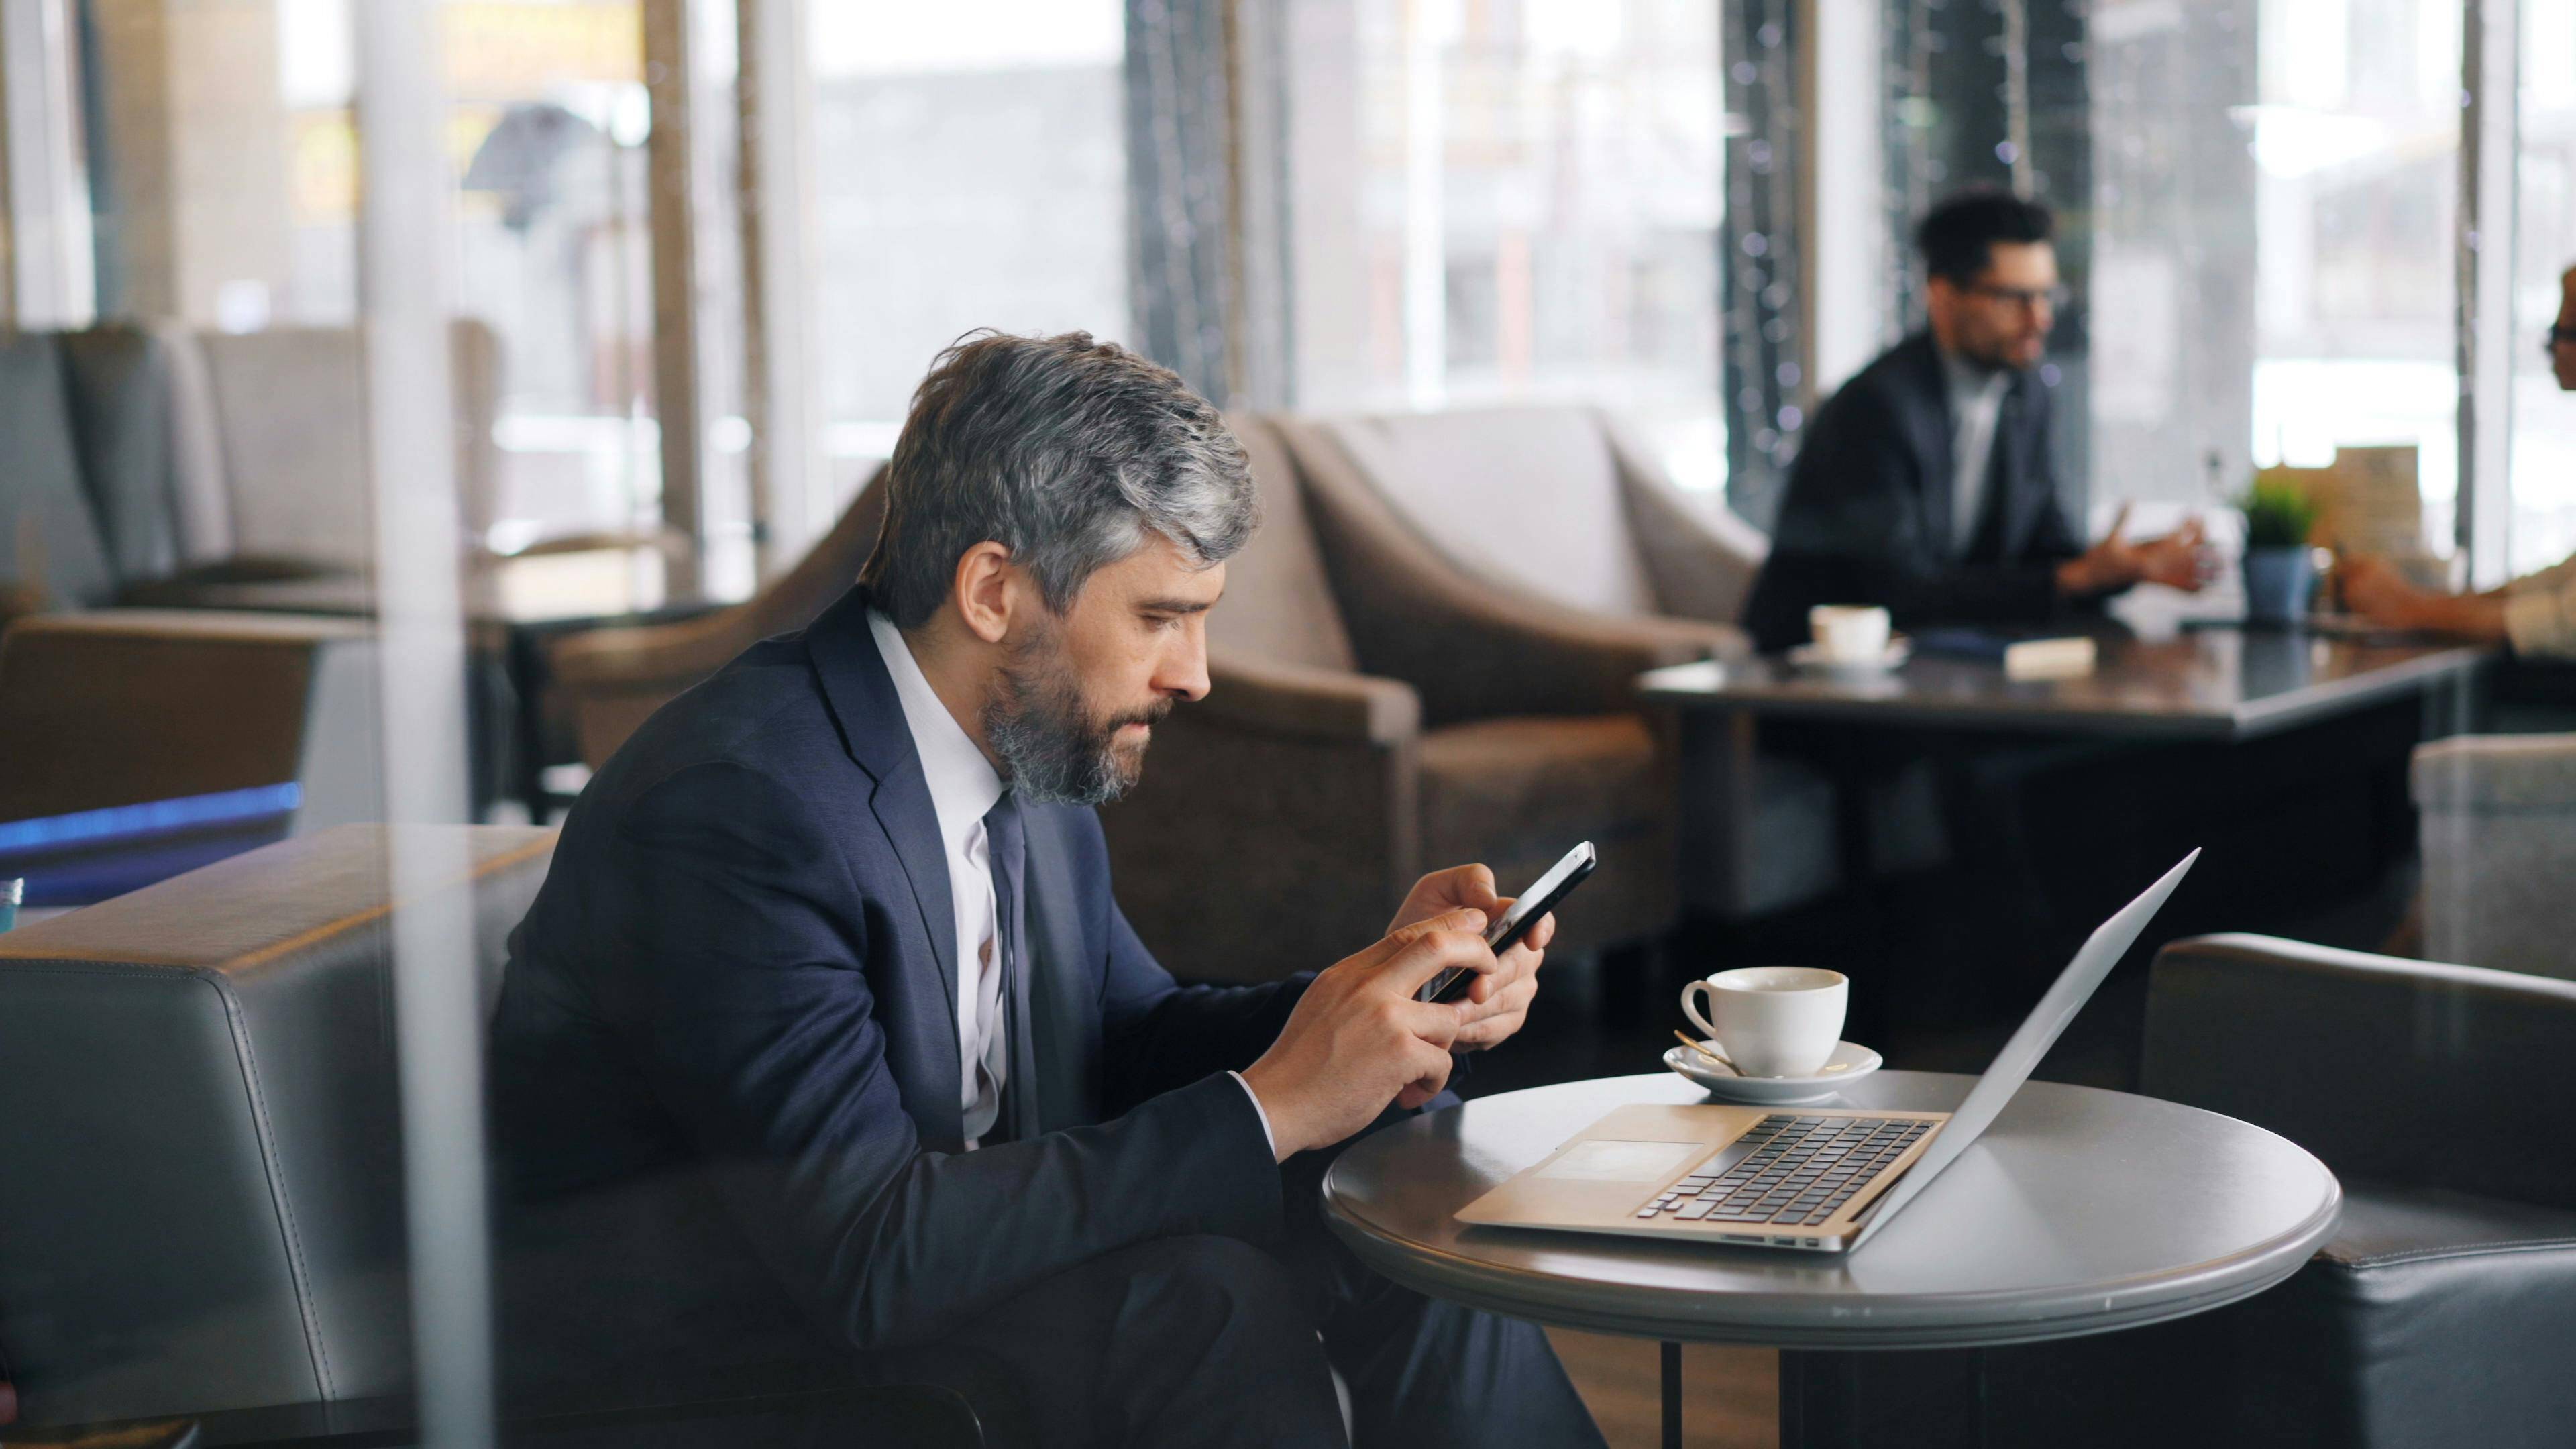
2439,1318
1529,496
2431,1317
1516,794
1278,601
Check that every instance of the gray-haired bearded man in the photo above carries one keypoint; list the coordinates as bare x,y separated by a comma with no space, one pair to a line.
826,1037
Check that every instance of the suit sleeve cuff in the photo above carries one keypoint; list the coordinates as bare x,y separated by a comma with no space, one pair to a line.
2536,622
1269,1138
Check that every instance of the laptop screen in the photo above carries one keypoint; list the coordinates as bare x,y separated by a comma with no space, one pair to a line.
2039,1031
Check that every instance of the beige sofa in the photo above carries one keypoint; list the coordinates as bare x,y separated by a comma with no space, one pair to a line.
1558,506
605,682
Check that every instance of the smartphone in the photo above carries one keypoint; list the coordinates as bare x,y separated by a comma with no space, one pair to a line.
1502,935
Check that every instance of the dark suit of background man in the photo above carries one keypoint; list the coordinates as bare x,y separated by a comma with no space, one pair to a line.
1925,485
826,1038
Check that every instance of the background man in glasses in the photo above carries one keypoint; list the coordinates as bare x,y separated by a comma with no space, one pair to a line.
1926,484
2535,614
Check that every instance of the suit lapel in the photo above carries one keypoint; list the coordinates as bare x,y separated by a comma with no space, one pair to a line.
1939,448
863,699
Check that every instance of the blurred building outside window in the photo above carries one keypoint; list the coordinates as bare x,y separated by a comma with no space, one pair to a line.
970,172
1505,203
547,123
2356,142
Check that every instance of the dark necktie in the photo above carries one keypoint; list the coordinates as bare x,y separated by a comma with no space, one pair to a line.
1010,855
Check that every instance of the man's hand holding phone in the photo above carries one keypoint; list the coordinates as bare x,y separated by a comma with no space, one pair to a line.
1362,1037
1359,1040
1495,1003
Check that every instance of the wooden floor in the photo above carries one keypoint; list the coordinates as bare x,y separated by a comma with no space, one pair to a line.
1730,1396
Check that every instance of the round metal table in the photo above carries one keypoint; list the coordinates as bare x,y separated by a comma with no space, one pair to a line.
2078,1212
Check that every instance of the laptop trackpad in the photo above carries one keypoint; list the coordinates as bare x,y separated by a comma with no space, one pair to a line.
1603,1160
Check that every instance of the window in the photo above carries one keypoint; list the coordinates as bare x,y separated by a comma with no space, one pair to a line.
2544,419
2356,147
971,172
1496,203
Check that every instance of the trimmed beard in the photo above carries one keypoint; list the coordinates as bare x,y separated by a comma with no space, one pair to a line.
1058,753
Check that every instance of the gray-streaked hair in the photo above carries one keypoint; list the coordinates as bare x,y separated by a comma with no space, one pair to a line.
1068,452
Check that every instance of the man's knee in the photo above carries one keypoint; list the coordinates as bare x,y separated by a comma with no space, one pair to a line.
1224,1284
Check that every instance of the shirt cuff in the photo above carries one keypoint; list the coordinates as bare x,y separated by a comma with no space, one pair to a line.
1268,1137
2536,623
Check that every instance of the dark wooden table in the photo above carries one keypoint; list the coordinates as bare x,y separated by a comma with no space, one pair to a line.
2212,686
2222,684
511,607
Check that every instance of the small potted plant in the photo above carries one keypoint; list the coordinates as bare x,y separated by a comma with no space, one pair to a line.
2280,572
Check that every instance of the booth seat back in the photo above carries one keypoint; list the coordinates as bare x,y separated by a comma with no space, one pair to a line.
202,1201
1488,482
1279,600
1559,502
52,549
130,452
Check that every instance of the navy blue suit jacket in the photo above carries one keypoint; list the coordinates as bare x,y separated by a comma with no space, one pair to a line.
725,1057
1867,516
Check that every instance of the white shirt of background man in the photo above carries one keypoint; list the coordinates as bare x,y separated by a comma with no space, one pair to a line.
1976,408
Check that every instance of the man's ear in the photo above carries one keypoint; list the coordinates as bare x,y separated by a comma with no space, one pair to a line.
983,591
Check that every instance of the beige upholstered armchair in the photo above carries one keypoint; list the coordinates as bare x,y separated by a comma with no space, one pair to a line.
160,466
1557,506
1375,714
606,681
2498,822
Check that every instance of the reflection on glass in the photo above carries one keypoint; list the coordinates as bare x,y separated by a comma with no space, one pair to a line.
1496,203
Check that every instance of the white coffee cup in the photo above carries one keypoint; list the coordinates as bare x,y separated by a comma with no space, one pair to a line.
1849,633
1772,1021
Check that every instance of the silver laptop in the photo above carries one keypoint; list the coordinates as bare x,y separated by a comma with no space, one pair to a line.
1814,1179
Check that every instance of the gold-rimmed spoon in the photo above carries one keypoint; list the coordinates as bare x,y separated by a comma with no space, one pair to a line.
1710,1052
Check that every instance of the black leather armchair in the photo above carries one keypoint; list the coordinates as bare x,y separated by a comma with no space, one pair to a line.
201,1208
2442,1310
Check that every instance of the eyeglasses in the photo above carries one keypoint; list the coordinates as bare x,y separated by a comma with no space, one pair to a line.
2558,337
2050,297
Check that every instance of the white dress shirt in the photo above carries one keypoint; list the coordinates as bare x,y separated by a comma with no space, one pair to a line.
1976,407
964,788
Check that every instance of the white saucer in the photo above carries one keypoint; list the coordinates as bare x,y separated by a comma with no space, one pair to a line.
1849,1063
1899,649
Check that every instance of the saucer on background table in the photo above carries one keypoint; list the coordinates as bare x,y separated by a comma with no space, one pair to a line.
1808,656
1849,1063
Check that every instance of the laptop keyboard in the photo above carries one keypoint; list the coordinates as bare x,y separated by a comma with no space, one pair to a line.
1801,1169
